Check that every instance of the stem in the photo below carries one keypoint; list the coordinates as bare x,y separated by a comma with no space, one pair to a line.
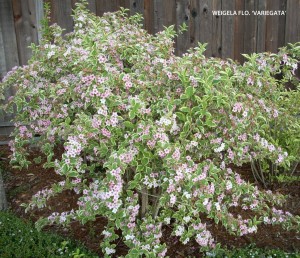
255,171
156,204
144,208
294,167
262,174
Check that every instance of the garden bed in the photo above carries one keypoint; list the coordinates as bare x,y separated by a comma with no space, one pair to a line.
22,185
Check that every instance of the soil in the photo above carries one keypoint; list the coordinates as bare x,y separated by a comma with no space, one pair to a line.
21,185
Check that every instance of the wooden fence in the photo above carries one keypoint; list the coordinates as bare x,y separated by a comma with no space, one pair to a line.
227,33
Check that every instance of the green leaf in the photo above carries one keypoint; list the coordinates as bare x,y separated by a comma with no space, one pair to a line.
145,161
184,96
180,116
103,149
128,124
186,127
195,109
137,177
210,123
189,91
184,109
132,115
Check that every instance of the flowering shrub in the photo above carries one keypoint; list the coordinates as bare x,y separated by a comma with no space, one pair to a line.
150,139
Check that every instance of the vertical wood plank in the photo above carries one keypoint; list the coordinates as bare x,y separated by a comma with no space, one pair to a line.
136,6
103,6
61,14
26,28
272,25
195,25
3,70
92,6
8,49
250,28
164,14
149,16
39,14
261,27
182,16
239,23
281,23
158,16
216,44
8,35
292,31
204,30
228,29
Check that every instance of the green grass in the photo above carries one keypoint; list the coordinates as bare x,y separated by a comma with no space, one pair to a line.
19,239
252,251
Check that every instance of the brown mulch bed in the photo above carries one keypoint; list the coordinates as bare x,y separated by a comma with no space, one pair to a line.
21,185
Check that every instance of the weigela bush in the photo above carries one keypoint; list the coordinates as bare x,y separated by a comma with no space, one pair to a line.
150,139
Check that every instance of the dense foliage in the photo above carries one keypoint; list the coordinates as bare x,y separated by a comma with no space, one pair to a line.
150,139
21,240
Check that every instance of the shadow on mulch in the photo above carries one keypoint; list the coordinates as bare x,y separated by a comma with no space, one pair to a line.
21,185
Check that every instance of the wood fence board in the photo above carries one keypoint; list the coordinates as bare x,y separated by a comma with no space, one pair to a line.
216,44
272,24
3,70
103,6
149,16
261,27
228,29
292,25
136,6
26,28
61,12
164,14
8,49
281,23
92,6
182,16
203,30
239,31
39,15
250,27
195,25
8,34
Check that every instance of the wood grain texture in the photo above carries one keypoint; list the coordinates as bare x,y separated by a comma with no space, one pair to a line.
183,15
272,26
250,27
8,49
164,14
281,23
103,6
261,27
3,70
239,31
292,23
61,12
204,29
8,35
149,16
26,27
228,29
136,6
39,15
216,44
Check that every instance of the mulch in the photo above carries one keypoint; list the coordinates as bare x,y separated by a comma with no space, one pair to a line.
21,185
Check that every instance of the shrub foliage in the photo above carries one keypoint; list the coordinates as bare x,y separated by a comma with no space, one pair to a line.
150,138
20,239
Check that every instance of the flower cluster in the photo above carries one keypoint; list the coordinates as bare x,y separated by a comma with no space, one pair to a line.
149,139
